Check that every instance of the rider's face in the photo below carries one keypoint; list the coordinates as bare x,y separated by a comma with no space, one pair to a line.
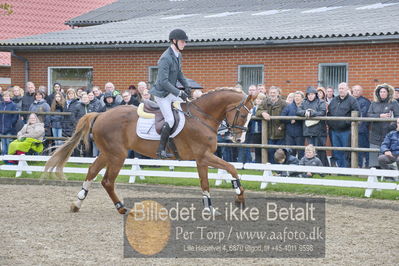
181,44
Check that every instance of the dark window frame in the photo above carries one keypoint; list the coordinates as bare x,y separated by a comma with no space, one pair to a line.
322,83
239,73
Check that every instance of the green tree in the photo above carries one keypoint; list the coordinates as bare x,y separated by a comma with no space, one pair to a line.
6,9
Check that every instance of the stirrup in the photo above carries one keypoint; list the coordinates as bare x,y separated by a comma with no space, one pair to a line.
164,155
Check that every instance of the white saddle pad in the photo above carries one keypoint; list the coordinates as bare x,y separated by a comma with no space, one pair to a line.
146,128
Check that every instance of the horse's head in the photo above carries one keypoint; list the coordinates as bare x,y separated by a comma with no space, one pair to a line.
238,116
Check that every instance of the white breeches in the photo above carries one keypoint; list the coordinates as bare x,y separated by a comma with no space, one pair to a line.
165,104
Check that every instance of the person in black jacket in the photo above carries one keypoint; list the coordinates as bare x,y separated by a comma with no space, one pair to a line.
68,123
28,98
342,105
57,105
17,93
99,95
294,128
109,101
254,128
383,106
314,131
56,88
128,99
7,121
82,107
390,149
363,129
95,104
284,156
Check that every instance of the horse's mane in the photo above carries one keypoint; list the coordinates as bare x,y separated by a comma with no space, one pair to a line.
217,90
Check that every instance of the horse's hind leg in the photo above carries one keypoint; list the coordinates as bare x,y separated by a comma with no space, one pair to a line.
94,169
108,182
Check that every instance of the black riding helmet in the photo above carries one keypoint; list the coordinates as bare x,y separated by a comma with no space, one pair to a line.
178,34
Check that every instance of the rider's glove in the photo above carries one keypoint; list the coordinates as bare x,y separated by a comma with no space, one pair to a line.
188,92
183,95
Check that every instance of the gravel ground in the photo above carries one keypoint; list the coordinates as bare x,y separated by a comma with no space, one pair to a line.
37,228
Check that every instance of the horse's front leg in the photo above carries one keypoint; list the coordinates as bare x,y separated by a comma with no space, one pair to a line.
216,162
206,196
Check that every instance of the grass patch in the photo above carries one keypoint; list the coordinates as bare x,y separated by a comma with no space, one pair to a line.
250,185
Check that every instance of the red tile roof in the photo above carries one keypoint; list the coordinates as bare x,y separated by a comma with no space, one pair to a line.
41,16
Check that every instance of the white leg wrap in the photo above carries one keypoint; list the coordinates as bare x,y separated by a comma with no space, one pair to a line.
85,189
236,185
206,200
238,191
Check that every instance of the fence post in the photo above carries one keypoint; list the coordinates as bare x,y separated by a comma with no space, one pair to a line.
264,141
354,139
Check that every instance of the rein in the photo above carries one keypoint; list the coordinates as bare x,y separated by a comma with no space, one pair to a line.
237,108
190,115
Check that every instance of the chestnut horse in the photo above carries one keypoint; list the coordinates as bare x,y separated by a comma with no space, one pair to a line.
114,133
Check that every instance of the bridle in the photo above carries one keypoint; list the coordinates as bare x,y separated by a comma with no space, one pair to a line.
236,108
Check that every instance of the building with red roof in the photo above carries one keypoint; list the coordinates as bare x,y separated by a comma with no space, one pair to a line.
289,44
37,17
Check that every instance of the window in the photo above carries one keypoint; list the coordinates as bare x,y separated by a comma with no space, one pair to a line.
152,75
75,77
250,75
330,75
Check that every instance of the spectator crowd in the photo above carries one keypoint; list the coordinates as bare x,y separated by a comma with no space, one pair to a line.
77,101
311,103
317,102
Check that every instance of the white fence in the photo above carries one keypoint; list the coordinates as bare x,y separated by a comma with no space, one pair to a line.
134,172
370,185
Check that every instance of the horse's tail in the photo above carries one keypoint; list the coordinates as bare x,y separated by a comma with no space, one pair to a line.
61,155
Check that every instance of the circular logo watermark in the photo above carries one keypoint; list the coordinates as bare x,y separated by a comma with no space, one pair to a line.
147,229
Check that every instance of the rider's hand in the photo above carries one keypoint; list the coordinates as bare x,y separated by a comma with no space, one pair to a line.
188,91
183,95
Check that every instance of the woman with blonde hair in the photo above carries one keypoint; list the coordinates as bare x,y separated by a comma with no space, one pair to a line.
255,128
16,96
290,98
68,123
29,138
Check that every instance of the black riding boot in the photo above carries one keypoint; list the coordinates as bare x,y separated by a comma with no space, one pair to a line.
165,132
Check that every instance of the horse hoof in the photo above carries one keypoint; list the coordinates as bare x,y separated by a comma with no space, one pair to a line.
74,208
240,200
123,210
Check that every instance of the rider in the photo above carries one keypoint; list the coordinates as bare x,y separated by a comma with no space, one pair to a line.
164,90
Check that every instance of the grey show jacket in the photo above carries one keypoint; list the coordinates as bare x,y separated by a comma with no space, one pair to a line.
169,71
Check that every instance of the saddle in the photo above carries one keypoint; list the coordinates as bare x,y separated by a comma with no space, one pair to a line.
150,110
